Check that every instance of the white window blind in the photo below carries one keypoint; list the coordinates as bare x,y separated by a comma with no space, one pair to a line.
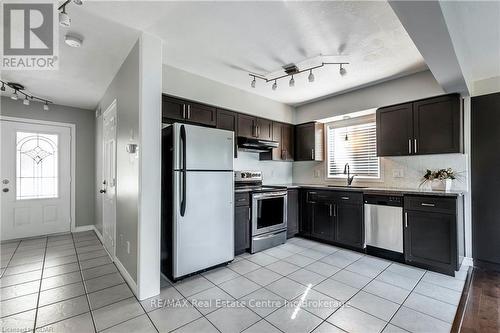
355,144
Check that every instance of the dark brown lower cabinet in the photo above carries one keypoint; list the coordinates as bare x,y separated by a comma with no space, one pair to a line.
323,221
292,212
350,223
241,223
433,233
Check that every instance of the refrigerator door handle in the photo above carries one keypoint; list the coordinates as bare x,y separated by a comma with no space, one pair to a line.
183,171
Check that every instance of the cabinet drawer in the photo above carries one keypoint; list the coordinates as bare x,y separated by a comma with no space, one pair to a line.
430,204
319,196
241,199
350,197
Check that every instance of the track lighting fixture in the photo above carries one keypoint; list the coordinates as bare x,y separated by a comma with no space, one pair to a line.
78,2
64,19
342,70
292,70
19,89
311,76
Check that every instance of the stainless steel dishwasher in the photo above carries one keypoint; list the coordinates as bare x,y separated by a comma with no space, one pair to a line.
384,222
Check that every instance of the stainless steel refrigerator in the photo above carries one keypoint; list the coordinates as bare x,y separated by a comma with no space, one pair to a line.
197,199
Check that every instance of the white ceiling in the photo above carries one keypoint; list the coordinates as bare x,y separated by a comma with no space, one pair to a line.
474,28
84,73
224,41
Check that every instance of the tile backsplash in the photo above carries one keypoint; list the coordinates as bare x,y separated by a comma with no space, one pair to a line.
273,172
399,172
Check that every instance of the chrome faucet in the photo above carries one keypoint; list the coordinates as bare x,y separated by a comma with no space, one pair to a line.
347,172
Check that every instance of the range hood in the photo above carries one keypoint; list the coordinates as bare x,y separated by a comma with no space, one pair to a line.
256,145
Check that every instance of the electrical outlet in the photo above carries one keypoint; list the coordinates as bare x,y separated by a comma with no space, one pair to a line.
398,173
317,173
128,247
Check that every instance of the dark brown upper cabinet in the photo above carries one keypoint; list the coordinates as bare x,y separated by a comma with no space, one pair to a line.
227,120
437,125
283,134
394,130
178,109
429,126
309,142
252,127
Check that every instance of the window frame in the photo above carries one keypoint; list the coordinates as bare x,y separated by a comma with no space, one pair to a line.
344,123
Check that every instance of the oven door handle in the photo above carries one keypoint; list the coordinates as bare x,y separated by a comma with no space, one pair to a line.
269,195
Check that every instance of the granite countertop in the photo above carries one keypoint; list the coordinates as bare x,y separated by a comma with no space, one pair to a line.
374,190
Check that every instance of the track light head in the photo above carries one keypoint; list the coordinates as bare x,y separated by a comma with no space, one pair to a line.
253,82
342,71
14,96
64,19
311,76
26,101
78,2
292,82
46,106
275,85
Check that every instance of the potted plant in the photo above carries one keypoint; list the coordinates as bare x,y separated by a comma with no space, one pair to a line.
440,180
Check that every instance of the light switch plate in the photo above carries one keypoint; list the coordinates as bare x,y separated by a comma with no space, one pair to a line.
398,173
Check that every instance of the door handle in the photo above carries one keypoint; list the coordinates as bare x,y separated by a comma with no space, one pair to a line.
5,190
409,146
183,171
415,141
102,191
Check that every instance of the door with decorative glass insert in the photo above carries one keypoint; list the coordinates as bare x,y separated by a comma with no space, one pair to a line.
36,179
108,189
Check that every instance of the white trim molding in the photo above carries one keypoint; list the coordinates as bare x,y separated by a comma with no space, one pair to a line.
130,281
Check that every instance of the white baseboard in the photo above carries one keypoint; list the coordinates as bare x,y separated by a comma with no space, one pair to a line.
131,283
99,235
84,228
468,261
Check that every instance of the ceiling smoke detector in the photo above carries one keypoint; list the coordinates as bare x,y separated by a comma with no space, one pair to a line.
73,40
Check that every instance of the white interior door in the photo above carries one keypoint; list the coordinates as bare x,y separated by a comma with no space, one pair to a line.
36,179
108,189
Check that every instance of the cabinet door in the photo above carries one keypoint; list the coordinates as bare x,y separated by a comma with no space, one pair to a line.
437,125
286,142
201,114
264,129
349,224
292,212
304,142
173,108
305,214
395,130
241,229
430,240
246,126
323,221
226,120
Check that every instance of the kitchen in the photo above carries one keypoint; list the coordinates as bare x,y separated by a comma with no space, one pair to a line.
274,167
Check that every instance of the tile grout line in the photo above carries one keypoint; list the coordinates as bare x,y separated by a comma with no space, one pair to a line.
84,286
40,286
10,259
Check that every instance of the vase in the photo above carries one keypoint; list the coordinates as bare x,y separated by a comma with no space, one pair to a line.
441,185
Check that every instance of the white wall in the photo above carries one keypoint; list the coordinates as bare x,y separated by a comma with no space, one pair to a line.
407,88
194,87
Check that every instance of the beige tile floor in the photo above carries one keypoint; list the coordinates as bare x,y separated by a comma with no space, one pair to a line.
67,283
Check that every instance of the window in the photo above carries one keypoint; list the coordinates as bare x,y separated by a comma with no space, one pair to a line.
36,166
353,141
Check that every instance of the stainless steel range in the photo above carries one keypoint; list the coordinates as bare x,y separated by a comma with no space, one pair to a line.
268,210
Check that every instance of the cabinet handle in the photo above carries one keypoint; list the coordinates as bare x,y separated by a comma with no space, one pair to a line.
415,142
258,130
312,154
409,146
331,213
249,214
241,200
183,111
335,209
189,111
428,204
344,198
406,219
